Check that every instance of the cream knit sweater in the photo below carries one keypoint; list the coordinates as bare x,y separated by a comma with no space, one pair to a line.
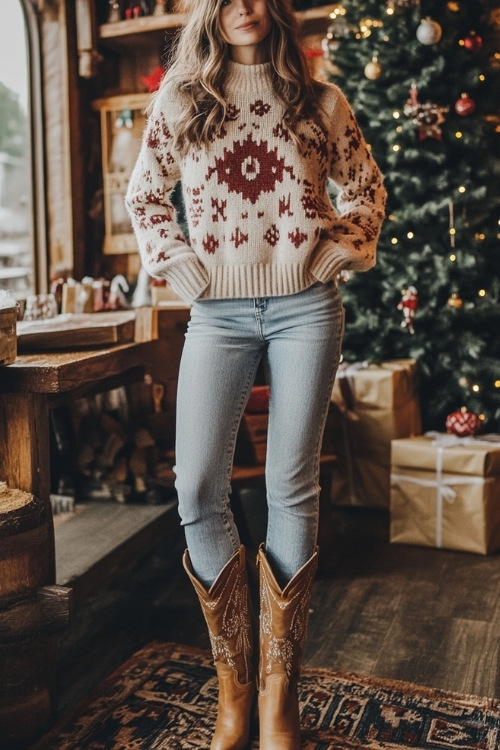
259,216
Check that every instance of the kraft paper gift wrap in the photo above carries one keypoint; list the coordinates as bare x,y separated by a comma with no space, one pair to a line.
446,493
371,405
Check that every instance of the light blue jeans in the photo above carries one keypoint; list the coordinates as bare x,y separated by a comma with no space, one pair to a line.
301,334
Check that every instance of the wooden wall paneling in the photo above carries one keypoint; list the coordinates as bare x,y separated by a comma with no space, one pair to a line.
57,120
77,108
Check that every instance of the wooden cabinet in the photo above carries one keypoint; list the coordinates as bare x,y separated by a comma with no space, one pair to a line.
122,125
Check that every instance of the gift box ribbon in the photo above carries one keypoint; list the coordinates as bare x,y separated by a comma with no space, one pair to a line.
446,440
444,488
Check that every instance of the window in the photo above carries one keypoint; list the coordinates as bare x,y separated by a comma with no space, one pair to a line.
18,270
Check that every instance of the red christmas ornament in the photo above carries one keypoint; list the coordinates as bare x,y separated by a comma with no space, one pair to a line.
408,306
463,423
465,105
473,42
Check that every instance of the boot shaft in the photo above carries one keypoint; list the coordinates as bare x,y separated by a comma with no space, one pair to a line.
284,616
227,611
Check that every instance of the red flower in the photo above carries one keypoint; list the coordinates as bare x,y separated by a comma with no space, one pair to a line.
152,82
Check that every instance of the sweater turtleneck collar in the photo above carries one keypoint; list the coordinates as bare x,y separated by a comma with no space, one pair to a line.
248,78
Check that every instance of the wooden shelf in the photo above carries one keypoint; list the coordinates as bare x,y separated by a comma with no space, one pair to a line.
124,34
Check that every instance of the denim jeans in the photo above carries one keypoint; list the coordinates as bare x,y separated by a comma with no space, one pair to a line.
301,335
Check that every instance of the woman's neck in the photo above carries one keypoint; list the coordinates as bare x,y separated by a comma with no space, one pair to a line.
251,54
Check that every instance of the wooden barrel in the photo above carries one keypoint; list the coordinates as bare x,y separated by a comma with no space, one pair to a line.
27,650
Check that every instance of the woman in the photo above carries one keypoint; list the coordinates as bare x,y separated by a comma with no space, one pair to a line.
254,140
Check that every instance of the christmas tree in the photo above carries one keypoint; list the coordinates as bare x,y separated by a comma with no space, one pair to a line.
424,81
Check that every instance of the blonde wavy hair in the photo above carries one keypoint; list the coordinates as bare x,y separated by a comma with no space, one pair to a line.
197,67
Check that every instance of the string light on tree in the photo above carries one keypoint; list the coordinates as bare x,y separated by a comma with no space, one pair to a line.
451,213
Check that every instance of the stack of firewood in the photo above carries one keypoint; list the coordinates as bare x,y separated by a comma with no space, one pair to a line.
122,443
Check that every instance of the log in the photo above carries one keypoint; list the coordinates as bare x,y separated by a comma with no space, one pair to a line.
47,610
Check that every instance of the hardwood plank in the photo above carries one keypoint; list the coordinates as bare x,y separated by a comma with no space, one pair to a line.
63,371
414,641
91,547
348,621
468,658
75,331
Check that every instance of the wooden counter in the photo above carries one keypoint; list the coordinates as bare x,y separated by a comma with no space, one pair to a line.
34,384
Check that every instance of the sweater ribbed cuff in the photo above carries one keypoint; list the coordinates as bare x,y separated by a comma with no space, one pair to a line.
186,276
327,262
188,279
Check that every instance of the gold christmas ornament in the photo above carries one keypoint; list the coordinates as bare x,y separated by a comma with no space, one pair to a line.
455,301
373,69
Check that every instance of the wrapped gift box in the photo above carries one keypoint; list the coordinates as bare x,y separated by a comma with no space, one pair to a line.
445,492
372,404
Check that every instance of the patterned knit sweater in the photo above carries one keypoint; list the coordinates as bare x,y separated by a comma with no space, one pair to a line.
259,217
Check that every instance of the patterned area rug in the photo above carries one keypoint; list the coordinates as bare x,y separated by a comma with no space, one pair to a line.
165,697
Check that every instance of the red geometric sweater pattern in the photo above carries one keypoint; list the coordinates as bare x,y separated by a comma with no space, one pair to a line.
259,216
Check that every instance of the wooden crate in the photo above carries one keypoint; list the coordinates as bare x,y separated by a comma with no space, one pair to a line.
8,335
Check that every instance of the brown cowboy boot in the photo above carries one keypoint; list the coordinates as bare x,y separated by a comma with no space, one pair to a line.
226,607
283,629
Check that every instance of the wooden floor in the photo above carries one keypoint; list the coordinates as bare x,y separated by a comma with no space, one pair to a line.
416,614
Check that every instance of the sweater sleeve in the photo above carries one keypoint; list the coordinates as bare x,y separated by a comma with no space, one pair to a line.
351,241
164,250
